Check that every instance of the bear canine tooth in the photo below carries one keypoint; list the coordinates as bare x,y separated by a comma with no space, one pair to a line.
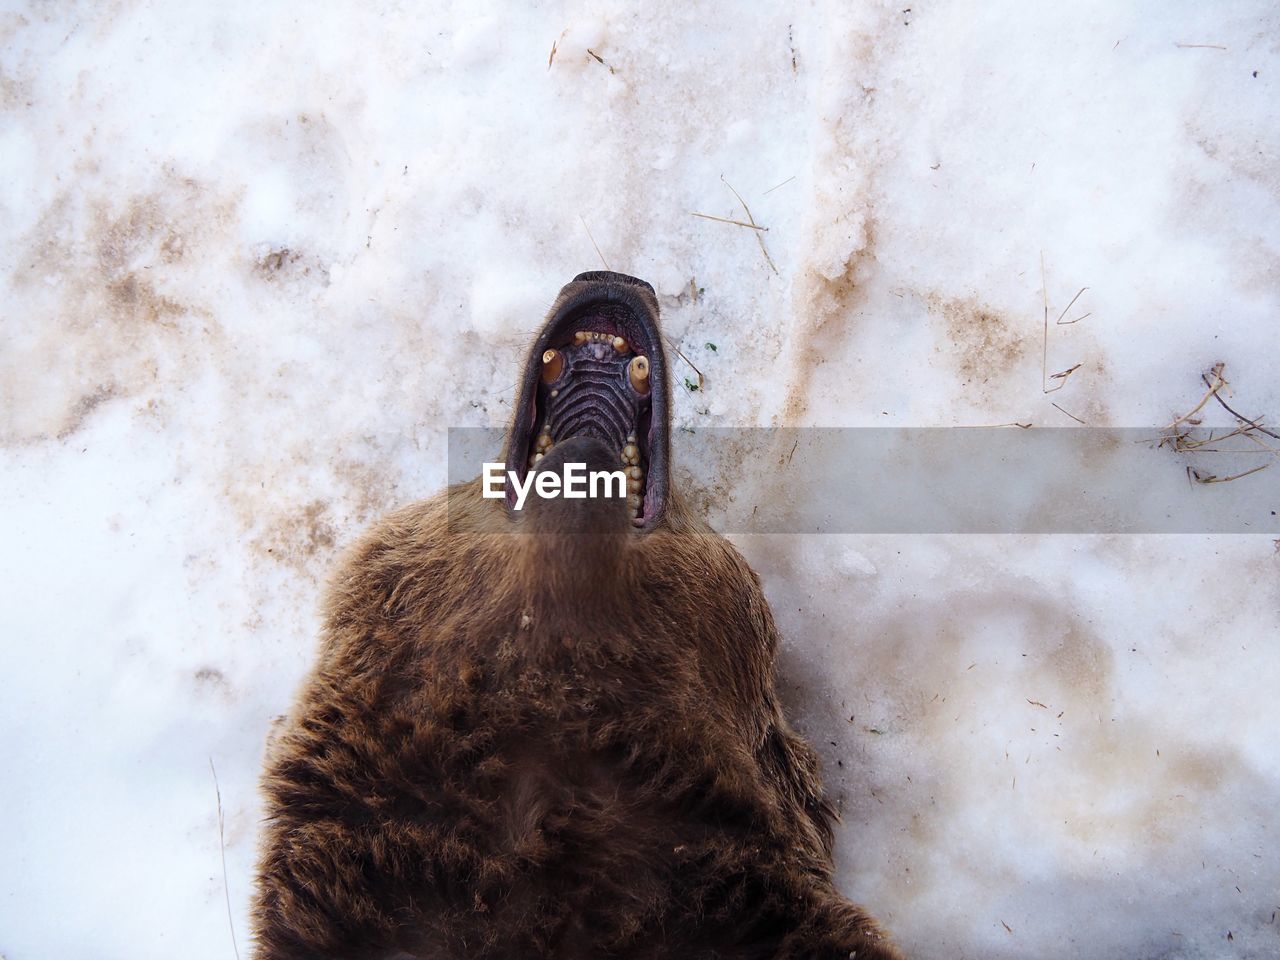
638,374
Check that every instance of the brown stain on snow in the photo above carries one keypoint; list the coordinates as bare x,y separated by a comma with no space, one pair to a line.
825,308
93,276
85,406
212,682
295,529
1003,699
289,265
983,346
114,311
297,536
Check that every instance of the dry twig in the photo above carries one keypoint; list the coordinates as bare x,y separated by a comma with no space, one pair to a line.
1213,389
1181,440
1071,415
1253,423
1198,477
1062,323
752,220
701,378
222,850
593,242
736,223
1044,353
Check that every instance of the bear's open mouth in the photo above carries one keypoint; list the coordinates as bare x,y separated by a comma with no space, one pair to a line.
597,371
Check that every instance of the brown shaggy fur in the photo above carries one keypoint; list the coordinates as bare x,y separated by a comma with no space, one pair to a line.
523,744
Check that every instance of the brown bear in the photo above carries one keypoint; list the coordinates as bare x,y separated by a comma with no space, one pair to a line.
552,731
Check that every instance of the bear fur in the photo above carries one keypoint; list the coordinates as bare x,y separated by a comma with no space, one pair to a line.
520,742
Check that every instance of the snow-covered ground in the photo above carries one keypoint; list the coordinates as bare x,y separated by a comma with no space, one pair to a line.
257,257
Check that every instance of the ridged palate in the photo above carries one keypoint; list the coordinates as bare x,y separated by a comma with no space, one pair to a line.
591,392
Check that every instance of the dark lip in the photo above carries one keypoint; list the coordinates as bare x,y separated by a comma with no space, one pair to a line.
608,276
584,292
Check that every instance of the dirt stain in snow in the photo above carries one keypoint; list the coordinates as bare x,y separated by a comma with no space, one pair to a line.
990,715
306,533
210,681
295,536
289,265
984,347
85,406
98,320
826,308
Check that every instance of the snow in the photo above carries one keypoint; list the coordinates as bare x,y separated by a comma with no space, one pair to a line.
257,260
